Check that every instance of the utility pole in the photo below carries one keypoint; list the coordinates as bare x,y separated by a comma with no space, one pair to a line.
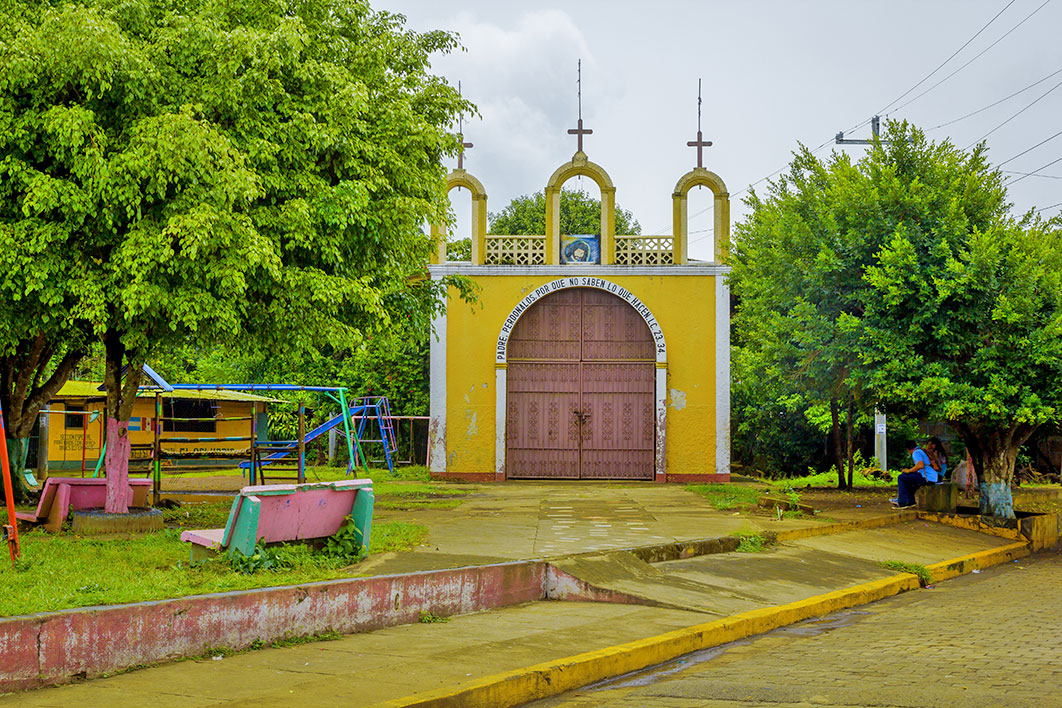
880,444
880,441
875,128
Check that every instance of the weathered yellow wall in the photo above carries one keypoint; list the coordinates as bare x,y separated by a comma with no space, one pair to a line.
64,444
684,306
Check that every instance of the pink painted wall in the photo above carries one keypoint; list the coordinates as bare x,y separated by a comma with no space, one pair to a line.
50,648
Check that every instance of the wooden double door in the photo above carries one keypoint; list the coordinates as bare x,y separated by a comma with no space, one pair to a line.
580,395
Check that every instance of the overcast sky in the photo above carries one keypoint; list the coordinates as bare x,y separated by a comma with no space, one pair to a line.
775,73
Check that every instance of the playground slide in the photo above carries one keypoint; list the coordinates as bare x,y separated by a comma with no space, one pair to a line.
313,434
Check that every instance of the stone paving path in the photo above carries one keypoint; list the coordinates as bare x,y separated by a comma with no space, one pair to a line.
593,525
988,640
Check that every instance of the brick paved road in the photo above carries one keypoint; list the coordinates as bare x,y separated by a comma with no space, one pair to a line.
988,640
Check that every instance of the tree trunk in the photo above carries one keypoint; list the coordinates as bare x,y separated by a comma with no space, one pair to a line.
850,451
838,453
29,378
16,462
120,399
994,452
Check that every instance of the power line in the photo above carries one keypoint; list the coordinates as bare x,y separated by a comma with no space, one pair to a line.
976,56
943,63
1041,97
993,105
1045,140
908,91
1030,174
753,184
1047,207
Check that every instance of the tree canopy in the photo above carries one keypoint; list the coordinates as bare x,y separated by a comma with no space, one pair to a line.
580,213
901,281
243,172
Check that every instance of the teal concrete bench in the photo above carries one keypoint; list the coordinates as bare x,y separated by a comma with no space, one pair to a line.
275,513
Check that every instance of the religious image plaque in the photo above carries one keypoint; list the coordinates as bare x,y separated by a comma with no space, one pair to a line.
580,248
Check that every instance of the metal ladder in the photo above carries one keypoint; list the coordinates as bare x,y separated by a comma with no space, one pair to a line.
378,409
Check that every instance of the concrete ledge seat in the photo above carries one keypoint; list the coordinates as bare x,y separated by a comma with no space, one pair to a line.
942,498
273,513
60,495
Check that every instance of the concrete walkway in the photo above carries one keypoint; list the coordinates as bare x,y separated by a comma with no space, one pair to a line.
980,641
522,521
518,521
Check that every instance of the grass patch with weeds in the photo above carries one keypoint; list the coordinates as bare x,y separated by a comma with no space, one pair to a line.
726,496
829,479
60,572
924,578
431,618
752,541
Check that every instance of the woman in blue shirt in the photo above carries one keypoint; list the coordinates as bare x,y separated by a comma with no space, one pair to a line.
938,458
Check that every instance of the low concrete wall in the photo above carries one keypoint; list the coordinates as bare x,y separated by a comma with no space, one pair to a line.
55,647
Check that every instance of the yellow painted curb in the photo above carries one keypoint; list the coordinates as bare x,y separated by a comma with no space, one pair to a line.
843,526
976,561
554,677
973,523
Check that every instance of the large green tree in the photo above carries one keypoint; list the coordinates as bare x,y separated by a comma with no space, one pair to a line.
580,214
901,281
228,171
964,324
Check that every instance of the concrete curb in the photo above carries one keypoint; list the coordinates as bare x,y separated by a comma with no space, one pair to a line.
874,522
976,561
552,678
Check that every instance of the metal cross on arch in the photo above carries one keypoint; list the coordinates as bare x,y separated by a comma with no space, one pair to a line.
461,135
700,143
580,131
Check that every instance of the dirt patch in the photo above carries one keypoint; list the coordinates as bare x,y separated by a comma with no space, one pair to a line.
848,504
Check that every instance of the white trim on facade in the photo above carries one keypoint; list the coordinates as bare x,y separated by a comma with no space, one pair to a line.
437,402
573,280
500,384
466,268
722,376
660,458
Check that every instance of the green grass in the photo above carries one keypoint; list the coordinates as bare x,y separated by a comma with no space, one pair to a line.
829,479
193,515
752,541
64,571
726,496
410,488
924,578
431,618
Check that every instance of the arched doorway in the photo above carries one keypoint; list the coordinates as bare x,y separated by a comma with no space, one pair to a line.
580,396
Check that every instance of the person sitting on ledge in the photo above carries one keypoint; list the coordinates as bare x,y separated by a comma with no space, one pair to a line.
918,475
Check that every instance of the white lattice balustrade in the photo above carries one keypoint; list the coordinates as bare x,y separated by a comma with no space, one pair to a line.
515,250
645,250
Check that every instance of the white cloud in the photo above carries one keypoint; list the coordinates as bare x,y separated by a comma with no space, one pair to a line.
523,80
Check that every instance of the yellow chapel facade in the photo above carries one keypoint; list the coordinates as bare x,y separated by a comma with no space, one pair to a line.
601,356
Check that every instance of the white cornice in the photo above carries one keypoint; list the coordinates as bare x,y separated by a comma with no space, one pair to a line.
601,271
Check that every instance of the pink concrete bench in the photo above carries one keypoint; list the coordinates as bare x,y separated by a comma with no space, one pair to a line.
60,495
273,513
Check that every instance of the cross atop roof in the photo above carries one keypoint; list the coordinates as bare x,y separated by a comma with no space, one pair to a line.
700,143
580,131
461,135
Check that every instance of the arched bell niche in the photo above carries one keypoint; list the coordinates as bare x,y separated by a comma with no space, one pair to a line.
580,166
455,180
680,218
